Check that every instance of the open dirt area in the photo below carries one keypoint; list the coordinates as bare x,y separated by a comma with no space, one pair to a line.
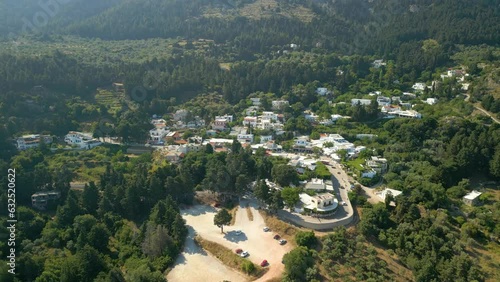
194,264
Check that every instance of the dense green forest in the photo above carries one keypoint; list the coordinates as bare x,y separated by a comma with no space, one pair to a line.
58,60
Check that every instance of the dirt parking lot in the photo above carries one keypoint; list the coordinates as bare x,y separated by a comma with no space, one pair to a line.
259,244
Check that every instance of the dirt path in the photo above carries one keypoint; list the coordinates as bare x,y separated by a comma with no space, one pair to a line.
467,97
259,244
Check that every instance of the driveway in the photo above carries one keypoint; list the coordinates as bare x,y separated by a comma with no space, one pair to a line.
341,178
259,244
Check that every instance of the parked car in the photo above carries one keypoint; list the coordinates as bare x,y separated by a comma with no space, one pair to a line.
239,251
338,172
216,205
343,203
237,232
266,229
244,254
276,237
264,263
282,242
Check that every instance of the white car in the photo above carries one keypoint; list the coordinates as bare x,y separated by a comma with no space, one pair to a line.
244,254
237,232
266,229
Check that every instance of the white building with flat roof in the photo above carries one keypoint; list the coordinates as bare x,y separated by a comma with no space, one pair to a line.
472,198
316,184
362,102
32,141
82,140
280,104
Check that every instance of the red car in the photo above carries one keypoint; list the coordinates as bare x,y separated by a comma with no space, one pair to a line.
238,251
264,263
277,237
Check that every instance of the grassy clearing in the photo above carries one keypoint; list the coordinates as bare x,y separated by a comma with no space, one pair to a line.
356,164
228,257
280,227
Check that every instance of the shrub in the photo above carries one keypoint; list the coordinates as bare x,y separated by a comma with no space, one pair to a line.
248,266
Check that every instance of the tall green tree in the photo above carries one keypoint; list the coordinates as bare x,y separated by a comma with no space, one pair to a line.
223,217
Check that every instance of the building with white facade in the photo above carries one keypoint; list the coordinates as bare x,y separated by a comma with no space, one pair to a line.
362,102
180,115
431,101
383,101
419,86
32,141
322,203
245,138
81,140
472,198
40,200
280,104
255,101
378,164
322,91
315,184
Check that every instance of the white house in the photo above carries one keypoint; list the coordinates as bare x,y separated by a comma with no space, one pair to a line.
265,138
245,138
159,122
255,101
251,111
408,114
180,114
312,117
190,147
40,200
157,134
269,115
472,198
228,118
390,109
378,164
250,121
220,124
302,141
82,140
383,101
280,104
378,63
419,86
369,174
315,184
431,101
322,91
387,191
321,203
362,102
32,141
